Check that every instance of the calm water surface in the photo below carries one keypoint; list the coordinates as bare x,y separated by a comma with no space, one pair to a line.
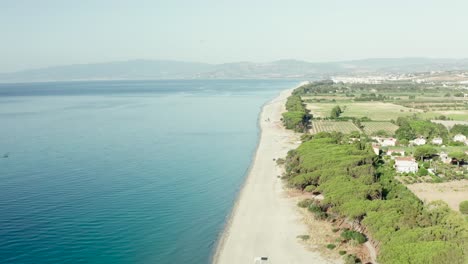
123,171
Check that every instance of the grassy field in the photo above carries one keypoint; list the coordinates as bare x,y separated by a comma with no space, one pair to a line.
380,111
372,127
330,126
374,110
458,115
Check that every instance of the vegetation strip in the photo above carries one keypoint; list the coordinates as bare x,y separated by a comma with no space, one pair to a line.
360,186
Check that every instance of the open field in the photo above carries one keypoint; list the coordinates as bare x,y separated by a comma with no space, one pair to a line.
378,111
372,127
453,192
449,124
458,115
332,99
330,126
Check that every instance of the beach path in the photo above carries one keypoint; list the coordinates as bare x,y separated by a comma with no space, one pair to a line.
265,222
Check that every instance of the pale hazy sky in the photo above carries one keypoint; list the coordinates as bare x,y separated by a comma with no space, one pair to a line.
40,33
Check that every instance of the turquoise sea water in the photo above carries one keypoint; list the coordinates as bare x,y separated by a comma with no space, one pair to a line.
123,171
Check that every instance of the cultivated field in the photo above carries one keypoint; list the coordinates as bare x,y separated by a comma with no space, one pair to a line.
372,127
330,126
374,110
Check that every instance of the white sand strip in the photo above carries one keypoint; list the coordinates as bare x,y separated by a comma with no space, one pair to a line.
265,222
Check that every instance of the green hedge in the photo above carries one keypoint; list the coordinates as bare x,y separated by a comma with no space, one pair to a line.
297,116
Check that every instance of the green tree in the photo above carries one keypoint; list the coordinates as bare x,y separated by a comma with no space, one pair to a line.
336,112
459,129
424,152
464,207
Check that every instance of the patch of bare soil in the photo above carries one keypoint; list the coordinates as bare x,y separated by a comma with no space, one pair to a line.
453,192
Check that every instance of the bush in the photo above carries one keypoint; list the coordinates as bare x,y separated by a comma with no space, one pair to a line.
351,259
319,214
310,188
342,252
304,237
305,203
423,172
464,207
331,246
353,235
314,208
280,161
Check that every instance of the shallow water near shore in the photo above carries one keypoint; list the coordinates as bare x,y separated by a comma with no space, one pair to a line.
123,171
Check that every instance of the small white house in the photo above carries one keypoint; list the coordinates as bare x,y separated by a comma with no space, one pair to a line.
444,158
388,142
406,164
459,138
419,141
385,142
437,141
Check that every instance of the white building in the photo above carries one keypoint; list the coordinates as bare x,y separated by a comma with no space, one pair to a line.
406,164
385,142
419,141
444,158
459,138
437,141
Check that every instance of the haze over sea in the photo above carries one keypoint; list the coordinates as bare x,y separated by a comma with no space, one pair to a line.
123,171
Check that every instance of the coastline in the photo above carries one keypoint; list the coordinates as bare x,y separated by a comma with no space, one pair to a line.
264,221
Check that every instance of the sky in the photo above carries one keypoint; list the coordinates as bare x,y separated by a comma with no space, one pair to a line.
36,34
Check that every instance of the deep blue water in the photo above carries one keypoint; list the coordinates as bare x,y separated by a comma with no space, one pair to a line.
123,171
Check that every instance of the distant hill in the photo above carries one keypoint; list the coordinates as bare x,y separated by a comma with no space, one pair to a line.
163,69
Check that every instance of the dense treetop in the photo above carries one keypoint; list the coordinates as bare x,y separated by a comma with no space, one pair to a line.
357,185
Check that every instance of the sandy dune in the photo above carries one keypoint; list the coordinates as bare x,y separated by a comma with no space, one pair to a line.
265,222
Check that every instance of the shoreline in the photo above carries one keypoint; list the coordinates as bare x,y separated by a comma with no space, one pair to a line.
227,225
258,225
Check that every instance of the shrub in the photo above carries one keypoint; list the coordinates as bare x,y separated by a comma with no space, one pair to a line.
280,161
303,237
317,211
423,172
353,235
342,252
305,203
351,259
310,188
464,207
314,208
331,246
334,230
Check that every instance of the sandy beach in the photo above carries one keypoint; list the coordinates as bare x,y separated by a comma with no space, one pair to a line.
265,222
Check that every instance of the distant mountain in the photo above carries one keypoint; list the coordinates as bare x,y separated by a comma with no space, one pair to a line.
163,69
124,70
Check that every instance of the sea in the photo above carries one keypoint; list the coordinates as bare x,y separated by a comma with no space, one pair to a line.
124,171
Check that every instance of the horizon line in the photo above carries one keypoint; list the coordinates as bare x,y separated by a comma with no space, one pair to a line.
233,62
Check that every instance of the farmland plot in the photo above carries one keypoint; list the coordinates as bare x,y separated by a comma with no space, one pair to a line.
330,126
373,127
